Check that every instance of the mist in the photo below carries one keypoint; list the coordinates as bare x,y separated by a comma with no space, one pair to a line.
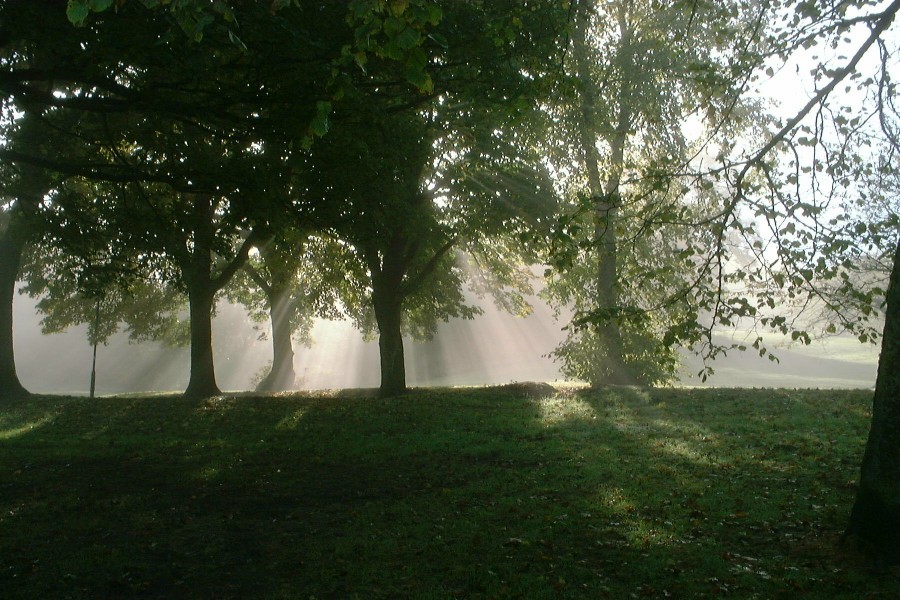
494,348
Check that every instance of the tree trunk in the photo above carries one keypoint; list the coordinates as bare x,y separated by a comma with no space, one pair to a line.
202,382
282,376
11,246
605,196
388,307
874,525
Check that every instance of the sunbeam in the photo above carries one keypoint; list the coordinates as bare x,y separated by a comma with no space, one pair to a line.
13,432
493,348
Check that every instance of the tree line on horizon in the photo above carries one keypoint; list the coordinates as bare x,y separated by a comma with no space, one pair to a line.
372,160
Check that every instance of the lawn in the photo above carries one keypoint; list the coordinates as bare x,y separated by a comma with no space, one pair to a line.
509,492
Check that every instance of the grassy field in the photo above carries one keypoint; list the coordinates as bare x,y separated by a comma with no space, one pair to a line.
510,492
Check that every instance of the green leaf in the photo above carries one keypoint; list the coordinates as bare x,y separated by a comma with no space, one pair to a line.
416,60
321,123
77,11
420,79
100,5
408,38
392,50
398,7
435,14
393,26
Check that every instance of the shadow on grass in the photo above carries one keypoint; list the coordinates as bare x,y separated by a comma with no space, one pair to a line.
442,493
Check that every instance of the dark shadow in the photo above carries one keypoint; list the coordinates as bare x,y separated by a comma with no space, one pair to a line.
472,493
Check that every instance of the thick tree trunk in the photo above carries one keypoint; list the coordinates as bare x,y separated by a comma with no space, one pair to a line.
388,307
197,270
11,246
388,268
202,383
282,376
875,519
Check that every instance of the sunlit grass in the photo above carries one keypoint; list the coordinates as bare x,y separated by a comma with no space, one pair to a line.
292,420
506,492
11,432
558,409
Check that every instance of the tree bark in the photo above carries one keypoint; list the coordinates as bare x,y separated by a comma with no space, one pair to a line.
388,307
282,376
874,526
388,269
202,383
12,243
197,270
196,265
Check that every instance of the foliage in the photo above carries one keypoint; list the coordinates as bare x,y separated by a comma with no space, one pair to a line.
756,221
167,170
192,17
586,357
149,310
446,493
637,74
793,203
307,269
420,176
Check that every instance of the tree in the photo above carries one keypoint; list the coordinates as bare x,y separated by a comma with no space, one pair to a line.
408,161
23,190
22,195
793,200
12,242
637,72
375,169
293,278
186,158
187,233
71,292
195,244
605,196
874,524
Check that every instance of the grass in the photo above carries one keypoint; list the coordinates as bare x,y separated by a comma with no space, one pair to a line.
462,493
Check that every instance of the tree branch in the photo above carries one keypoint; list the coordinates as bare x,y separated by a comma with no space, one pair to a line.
413,284
258,279
256,237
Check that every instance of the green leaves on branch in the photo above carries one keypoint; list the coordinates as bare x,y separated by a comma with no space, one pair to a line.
78,10
321,122
192,16
396,30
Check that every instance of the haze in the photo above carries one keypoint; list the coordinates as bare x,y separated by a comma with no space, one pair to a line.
495,348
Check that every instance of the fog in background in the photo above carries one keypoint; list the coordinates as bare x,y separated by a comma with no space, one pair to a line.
494,348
